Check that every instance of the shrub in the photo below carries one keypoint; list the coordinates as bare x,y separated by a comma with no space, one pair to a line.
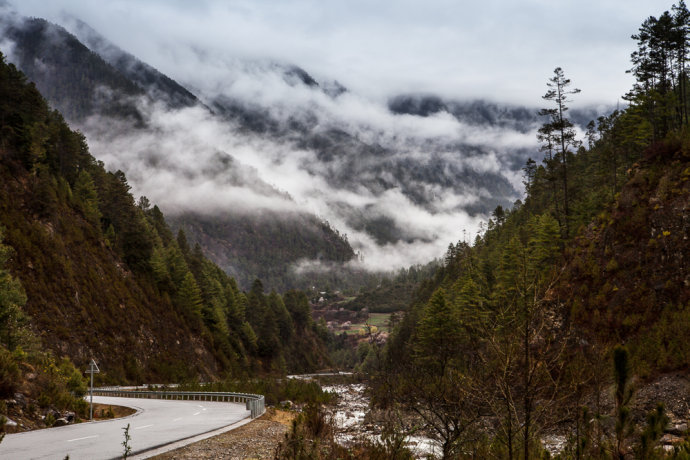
9,374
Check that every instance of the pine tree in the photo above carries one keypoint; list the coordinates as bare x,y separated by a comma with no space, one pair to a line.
559,134
624,424
439,333
86,197
189,296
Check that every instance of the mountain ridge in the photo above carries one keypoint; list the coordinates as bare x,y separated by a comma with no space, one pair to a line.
129,79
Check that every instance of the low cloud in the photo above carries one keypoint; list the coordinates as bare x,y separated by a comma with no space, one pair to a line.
401,186
190,159
489,49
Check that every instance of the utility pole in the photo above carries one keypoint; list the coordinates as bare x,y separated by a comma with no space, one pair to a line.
93,369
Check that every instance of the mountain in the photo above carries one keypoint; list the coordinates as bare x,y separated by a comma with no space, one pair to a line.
480,112
112,84
104,277
77,81
263,245
271,147
157,85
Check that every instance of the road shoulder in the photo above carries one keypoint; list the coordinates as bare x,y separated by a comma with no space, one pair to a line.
256,439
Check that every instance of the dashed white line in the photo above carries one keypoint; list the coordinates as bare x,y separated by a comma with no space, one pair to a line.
79,439
197,413
140,427
177,419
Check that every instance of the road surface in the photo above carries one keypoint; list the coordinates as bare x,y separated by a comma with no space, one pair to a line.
156,423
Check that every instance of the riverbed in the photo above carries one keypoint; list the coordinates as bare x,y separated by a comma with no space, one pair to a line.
350,418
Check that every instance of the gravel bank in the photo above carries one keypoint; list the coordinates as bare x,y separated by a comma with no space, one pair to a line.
255,440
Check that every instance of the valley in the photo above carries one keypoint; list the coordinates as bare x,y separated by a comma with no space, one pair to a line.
399,273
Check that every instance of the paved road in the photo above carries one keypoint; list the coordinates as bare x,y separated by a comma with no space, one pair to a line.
157,422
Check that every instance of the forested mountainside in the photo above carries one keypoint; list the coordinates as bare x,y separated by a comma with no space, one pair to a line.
480,112
157,85
75,80
266,245
110,87
544,323
104,277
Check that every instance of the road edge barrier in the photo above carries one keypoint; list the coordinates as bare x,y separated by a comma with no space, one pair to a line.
255,404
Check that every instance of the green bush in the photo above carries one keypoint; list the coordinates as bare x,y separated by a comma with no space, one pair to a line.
9,374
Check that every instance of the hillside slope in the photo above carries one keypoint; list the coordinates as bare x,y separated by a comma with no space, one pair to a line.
106,279
84,300
627,278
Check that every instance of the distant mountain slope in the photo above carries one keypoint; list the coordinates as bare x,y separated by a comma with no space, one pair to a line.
474,112
264,245
158,86
111,85
76,81
479,112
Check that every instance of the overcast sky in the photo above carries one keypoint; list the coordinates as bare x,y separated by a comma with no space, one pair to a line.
503,50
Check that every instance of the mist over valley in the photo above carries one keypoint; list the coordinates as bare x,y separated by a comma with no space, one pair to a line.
253,144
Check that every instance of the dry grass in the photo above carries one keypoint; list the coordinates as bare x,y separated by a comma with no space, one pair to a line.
106,411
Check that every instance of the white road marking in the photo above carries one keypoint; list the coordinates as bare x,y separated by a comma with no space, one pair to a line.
140,427
197,413
79,439
177,419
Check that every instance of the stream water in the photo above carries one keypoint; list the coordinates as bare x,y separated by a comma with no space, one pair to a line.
350,419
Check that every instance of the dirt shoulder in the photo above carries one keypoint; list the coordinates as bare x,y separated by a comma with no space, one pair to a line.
255,440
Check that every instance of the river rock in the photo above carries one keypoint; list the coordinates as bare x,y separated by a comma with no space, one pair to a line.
670,440
678,428
61,422
10,422
20,399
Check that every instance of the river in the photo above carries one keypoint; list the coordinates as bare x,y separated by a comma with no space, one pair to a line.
350,418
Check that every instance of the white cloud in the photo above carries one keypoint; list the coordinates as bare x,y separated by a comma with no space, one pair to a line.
494,49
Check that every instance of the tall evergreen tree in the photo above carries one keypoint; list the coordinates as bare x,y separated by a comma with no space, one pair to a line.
189,297
559,133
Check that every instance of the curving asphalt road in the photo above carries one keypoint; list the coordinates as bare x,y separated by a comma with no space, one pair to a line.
156,423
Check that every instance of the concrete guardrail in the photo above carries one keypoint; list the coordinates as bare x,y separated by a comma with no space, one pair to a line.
254,403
